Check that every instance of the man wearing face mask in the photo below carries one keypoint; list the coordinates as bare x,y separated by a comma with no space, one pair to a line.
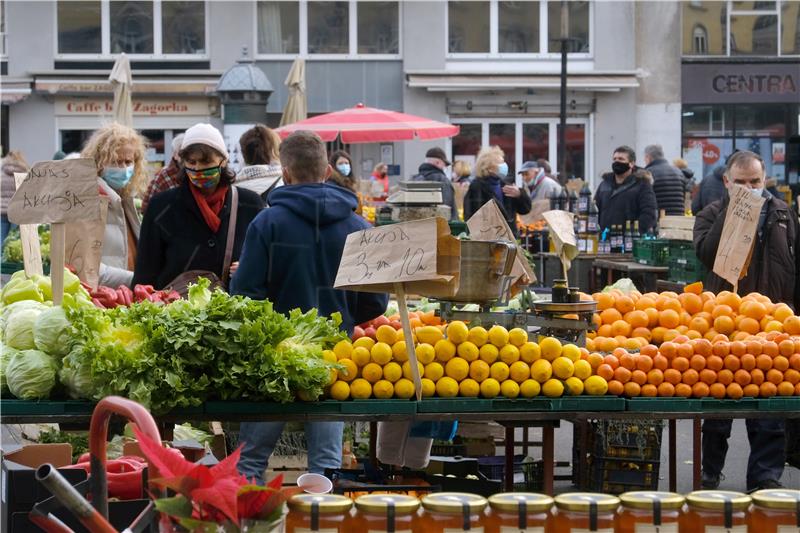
540,187
433,170
773,271
626,194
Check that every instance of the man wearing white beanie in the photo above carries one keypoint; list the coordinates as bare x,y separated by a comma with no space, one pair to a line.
167,177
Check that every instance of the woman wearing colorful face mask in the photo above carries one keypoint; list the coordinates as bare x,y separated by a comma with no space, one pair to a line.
118,151
493,182
186,228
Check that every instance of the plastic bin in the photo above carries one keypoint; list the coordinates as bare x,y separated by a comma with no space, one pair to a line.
610,475
528,475
653,252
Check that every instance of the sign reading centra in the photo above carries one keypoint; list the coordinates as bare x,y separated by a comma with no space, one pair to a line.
704,83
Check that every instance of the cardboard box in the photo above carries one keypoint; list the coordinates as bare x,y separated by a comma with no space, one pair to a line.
19,490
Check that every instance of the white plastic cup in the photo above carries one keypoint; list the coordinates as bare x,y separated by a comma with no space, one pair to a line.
315,483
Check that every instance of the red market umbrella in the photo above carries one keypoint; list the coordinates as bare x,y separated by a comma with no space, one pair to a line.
361,124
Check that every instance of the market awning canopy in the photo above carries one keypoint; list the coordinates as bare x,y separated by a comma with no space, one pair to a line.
15,90
459,81
361,124
183,83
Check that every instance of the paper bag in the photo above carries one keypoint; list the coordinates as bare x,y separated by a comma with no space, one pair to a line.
84,245
538,207
562,231
420,254
738,235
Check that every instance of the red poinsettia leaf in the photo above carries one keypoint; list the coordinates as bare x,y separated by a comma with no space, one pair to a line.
183,485
227,467
251,500
166,461
276,482
221,495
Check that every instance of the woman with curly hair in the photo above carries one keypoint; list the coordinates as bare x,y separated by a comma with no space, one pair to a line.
118,151
263,172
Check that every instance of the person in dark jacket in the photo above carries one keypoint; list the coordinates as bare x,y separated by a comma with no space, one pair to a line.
626,194
669,183
492,182
773,271
711,189
433,170
186,228
291,256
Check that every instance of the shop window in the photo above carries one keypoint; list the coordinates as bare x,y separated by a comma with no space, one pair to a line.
519,27
535,142
700,40
576,151
504,136
754,35
378,28
468,27
706,120
183,27
79,28
278,27
2,28
328,24
754,6
467,143
759,120
790,28
73,141
578,26
131,27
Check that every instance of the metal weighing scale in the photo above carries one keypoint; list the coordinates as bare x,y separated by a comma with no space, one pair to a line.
415,200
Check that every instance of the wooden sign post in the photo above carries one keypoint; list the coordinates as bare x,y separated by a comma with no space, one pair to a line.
419,256
738,235
57,192
562,230
29,237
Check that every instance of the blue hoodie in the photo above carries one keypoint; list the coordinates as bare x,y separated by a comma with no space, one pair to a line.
292,252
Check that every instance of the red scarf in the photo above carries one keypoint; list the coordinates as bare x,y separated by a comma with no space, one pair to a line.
210,205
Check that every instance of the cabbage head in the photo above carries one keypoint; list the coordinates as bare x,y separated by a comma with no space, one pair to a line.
51,332
7,310
6,352
31,375
76,374
19,329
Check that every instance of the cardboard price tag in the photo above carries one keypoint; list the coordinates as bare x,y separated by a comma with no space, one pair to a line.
738,235
29,237
84,245
421,254
489,224
57,191
562,231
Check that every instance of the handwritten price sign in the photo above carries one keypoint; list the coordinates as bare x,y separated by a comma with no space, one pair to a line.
57,191
738,235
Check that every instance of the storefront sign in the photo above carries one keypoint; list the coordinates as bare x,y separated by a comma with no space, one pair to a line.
704,83
141,106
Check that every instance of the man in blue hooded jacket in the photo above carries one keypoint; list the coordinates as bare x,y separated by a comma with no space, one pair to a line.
291,255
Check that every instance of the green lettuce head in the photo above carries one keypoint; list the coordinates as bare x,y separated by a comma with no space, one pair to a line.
52,332
19,329
31,375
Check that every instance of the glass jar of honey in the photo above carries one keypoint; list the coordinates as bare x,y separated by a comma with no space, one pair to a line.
582,512
383,513
319,513
715,511
649,512
449,512
775,511
518,512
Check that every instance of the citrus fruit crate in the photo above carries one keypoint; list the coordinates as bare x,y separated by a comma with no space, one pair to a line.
787,403
711,404
627,439
473,405
664,405
654,252
372,406
611,475
686,270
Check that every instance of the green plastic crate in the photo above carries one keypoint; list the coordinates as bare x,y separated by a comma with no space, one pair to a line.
664,405
712,404
786,403
684,266
654,252
454,405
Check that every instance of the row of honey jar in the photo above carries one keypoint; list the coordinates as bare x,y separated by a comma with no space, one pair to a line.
707,511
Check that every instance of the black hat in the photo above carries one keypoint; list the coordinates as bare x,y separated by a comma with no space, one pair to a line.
527,165
437,153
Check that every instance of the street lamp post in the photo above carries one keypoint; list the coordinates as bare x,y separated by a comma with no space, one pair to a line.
562,134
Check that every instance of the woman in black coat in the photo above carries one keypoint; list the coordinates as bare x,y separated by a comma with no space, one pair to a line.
186,228
492,183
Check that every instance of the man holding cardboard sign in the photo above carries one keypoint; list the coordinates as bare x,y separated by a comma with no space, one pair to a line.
760,256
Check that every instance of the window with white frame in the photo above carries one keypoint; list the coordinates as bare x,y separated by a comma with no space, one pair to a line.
150,28
343,28
700,40
734,28
2,28
498,27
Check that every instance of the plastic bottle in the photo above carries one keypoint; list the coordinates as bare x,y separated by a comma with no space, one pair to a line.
573,202
628,238
563,200
584,200
592,223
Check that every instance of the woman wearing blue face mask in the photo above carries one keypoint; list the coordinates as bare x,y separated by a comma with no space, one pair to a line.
343,174
194,227
493,182
118,151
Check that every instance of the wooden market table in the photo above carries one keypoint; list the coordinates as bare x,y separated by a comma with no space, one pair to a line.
581,273
510,413
607,271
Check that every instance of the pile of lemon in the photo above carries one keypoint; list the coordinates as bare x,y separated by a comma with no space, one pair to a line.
456,360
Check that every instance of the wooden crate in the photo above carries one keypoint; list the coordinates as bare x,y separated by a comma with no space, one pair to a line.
677,228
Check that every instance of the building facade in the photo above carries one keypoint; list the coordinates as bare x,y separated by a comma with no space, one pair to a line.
490,66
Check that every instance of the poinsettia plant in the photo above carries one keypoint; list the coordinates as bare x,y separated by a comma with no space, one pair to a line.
212,499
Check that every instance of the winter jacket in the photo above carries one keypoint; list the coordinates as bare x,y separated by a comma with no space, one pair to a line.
480,191
546,189
348,182
175,238
634,199
774,267
260,179
119,239
712,188
384,181
688,175
428,172
8,186
669,184
292,252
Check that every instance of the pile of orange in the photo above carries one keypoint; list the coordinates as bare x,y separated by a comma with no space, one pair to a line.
634,320
762,366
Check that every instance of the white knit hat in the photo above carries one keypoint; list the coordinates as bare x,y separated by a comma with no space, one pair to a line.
205,134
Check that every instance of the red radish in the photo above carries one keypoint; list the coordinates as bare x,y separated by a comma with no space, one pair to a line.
358,332
370,332
380,321
396,324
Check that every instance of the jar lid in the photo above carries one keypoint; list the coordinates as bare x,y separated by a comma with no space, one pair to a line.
510,502
785,499
326,503
582,501
380,503
646,499
454,502
716,500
